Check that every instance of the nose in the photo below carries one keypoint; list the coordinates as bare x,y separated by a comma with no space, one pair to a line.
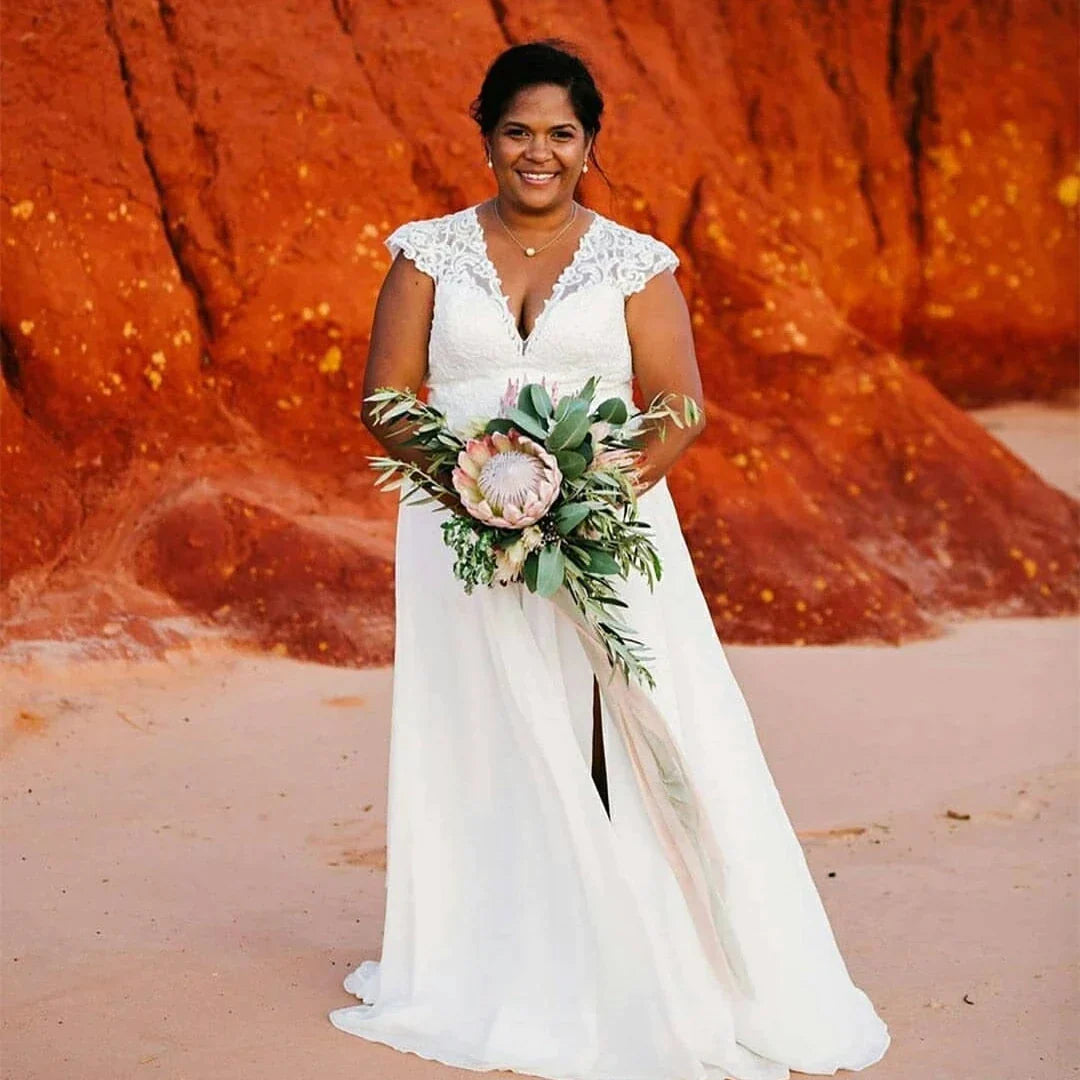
539,148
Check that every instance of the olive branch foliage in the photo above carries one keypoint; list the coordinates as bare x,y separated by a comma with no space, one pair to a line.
592,535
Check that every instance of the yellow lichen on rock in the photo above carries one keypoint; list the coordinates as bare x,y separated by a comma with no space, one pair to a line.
1068,191
331,360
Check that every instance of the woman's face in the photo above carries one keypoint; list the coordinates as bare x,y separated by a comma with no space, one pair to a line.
538,148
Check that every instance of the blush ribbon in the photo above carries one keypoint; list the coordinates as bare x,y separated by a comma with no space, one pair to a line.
673,805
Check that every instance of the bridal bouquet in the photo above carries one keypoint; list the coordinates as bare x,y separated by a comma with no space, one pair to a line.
548,489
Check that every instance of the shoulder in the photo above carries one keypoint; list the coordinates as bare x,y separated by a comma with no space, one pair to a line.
632,257
425,241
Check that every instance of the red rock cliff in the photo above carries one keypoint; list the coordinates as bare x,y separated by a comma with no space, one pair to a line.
876,212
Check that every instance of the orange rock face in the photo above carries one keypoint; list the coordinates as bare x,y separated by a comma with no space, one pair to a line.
876,213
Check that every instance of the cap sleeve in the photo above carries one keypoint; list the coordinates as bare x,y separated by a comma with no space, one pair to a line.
646,258
415,239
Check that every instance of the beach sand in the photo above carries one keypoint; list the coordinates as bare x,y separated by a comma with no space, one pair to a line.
193,847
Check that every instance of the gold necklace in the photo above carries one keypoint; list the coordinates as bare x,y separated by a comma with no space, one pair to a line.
531,251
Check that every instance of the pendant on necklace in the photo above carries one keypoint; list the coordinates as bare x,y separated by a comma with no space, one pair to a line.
530,251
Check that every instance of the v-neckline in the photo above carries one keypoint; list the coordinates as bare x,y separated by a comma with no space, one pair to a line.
501,297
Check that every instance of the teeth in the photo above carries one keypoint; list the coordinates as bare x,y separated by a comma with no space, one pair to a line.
537,176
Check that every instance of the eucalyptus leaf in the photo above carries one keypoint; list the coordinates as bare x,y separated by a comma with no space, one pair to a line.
585,394
571,463
600,562
569,516
525,402
568,433
528,423
613,410
551,569
541,400
529,570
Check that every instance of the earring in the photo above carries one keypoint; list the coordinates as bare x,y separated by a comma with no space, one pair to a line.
490,166
585,167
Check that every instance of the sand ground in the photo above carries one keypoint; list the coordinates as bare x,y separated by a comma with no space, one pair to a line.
193,847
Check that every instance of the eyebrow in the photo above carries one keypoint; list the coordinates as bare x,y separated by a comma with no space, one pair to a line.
521,123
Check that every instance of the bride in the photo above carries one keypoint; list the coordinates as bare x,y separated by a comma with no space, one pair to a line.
537,919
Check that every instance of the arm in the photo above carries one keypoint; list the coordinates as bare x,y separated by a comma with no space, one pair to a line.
662,344
397,354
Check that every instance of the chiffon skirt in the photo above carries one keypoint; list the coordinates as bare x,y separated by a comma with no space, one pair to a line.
527,930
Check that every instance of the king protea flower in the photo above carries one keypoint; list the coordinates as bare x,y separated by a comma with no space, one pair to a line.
507,481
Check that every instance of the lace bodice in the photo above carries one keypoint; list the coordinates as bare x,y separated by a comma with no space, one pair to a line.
475,346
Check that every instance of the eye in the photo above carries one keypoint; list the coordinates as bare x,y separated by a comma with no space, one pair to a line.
563,136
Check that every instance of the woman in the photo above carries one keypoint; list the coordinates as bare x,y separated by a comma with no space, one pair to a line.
526,928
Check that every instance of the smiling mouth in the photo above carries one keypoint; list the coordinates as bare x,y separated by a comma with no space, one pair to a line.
536,177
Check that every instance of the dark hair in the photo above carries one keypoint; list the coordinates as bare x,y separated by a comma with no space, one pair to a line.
549,60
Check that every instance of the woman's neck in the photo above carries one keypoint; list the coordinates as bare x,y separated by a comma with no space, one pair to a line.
524,219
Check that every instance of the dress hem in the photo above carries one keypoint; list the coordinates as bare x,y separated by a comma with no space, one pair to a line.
706,1072
401,1044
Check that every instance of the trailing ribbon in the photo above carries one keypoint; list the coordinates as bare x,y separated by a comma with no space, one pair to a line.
673,805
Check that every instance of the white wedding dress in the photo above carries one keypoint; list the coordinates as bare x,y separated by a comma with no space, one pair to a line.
524,929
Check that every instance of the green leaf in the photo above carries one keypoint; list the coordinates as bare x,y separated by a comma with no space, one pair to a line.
561,408
397,408
568,432
613,601
575,556
500,424
530,569
585,394
551,569
613,410
571,463
540,399
532,427
570,515
525,402
600,562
